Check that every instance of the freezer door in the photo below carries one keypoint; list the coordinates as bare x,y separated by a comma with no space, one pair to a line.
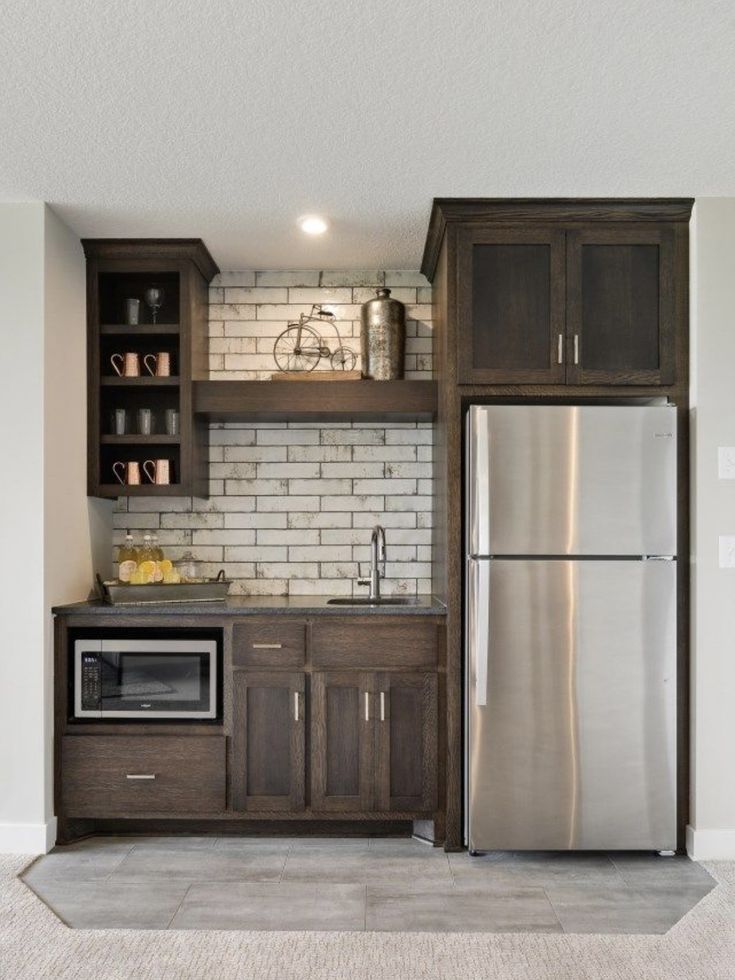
571,480
572,719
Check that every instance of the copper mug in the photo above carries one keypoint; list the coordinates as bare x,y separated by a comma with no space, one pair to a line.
127,473
126,365
161,364
158,471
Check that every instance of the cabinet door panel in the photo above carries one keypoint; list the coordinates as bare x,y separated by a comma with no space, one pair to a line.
620,306
342,741
511,305
407,726
268,753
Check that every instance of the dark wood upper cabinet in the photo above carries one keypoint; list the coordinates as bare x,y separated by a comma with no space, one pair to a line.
342,733
510,301
620,305
268,745
407,726
559,292
123,269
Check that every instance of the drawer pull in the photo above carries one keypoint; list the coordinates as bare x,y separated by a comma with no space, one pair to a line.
267,646
140,775
382,705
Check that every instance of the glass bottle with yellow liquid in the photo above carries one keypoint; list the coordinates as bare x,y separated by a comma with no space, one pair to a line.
146,571
127,559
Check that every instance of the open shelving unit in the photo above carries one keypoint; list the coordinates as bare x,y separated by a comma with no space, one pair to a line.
119,269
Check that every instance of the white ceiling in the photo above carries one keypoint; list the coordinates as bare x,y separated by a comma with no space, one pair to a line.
227,119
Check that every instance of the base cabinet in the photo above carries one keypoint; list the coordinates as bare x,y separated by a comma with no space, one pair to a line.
268,742
406,742
374,741
342,737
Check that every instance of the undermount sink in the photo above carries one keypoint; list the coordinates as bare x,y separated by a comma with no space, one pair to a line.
382,601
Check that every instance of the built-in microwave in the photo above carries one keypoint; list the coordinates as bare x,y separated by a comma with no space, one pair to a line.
139,678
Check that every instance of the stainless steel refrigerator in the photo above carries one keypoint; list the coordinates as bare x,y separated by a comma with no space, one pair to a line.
571,627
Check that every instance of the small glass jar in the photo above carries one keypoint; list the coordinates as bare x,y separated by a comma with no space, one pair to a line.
189,568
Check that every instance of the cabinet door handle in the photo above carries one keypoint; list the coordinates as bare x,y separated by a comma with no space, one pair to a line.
576,348
382,705
295,705
140,775
367,706
267,646
560,349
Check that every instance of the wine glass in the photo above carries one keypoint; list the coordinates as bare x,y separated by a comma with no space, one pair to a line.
154,297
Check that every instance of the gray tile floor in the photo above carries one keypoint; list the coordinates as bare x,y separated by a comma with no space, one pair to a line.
338,884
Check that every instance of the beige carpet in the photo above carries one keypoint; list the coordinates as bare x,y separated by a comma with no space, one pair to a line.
34,944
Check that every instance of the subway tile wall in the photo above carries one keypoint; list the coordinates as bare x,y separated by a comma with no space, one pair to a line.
291,505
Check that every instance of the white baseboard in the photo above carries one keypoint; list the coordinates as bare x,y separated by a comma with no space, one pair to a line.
711,845
27,838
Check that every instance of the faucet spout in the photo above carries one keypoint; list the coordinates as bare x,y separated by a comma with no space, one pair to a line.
377,557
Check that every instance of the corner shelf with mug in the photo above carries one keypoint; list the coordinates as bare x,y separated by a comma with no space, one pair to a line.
147,345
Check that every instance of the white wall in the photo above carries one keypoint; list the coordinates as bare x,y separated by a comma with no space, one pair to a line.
712,830
49,530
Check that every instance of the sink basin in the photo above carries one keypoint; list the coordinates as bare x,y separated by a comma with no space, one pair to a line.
382,601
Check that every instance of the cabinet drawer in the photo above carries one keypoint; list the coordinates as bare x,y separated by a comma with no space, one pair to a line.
364,644
101,775
272,644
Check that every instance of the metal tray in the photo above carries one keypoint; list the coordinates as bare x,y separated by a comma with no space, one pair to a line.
117,594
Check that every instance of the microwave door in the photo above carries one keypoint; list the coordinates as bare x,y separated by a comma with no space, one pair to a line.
161,679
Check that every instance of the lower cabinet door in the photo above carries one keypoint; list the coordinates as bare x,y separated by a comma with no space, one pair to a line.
342,735
406,740
268,741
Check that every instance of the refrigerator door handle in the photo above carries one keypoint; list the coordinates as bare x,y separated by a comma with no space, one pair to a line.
479,481
479,627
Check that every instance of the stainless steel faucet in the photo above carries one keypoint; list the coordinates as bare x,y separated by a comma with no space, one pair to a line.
377,556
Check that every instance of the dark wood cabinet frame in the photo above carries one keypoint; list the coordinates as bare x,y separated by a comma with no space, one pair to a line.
664,220
303,656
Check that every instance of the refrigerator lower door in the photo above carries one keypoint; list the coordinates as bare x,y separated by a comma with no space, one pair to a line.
571,704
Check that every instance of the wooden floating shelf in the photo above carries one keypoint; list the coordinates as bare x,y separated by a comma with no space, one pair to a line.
140,329
315,401
141,382
138,490
132,439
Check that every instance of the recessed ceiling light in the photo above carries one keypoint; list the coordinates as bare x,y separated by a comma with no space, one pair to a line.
312,224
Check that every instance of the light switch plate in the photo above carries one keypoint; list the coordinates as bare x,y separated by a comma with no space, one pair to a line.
727,551
726,462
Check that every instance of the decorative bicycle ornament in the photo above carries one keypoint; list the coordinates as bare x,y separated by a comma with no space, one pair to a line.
301,346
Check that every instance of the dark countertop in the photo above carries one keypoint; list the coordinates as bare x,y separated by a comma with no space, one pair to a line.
254,606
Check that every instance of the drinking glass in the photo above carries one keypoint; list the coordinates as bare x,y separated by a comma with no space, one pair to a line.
154,297
119,422
132,312
172,422
145,421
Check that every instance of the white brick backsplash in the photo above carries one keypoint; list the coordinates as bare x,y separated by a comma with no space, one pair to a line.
319,519
291,506
223,536
288,504
352,503
288,437
320,454
255,454
355,280
234,279
404,277
272,569
254,294
232,311
321,487
322,295
296,536
296,277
